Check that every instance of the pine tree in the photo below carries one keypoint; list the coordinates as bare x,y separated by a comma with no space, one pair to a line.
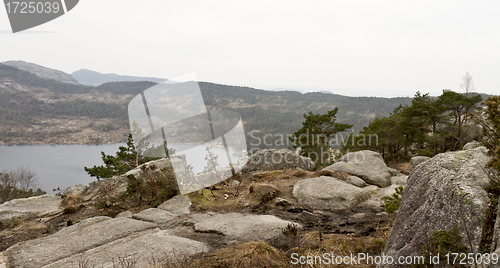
314,136
126,159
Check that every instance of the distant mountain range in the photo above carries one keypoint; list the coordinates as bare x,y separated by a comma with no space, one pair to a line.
92,78
40,110
37,110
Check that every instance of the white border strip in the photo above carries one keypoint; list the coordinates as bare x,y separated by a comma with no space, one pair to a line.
64,6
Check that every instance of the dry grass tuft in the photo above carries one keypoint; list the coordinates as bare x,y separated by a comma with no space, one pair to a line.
300,173
72,200
70,203
340,245
245,255
404,168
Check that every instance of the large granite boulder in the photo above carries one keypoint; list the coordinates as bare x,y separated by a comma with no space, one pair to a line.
237,227
439,194
272,159
29,208
417,160
367,165
328,193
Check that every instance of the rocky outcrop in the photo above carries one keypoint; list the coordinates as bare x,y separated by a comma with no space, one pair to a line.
328,193
141,247
367,165
153,233
356,181
177,205
78,189
29,208
83,236
440,194
124,214
41,71
169,210
118,184
272,159
472,145
281,202
102,241
416,160
237,227
155,215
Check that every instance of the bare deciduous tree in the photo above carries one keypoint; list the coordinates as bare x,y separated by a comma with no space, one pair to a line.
467,84
17,183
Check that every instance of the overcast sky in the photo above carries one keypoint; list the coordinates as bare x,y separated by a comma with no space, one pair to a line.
355,48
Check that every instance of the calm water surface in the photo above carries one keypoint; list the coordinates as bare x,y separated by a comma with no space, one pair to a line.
56,165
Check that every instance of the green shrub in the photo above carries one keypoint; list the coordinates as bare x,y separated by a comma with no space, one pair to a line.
443,242
152,189
391,203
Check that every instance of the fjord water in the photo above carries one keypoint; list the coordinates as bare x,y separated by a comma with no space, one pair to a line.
60,166
56,165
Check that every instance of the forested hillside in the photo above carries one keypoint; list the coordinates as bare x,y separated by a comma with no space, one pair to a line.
35,110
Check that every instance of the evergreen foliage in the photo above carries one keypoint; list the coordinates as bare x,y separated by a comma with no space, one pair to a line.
392,202
126,159
315,135
492,130
426,127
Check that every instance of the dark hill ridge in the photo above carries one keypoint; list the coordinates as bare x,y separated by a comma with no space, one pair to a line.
36,110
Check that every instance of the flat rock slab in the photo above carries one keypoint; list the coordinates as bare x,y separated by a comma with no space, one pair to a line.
29,208
178,204
155,215
142,247
72,240
328,193
237,227
367,165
